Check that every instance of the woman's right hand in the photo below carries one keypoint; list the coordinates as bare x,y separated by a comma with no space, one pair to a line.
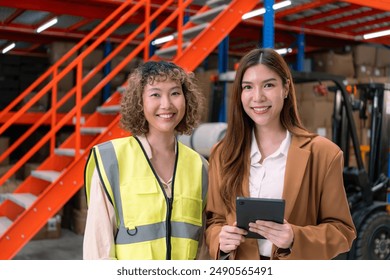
231,237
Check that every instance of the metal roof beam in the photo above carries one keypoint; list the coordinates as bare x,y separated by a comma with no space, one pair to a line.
358,25
79,8
377,4
304,7
323,15
353,19
17,13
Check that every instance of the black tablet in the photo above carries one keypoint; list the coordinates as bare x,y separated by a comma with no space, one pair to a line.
250,209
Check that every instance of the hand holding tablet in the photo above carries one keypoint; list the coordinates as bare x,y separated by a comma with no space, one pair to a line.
249,209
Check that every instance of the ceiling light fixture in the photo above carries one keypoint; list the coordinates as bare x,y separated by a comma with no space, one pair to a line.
163,40
47,25
253,13
284,51
376,34
261,11
8,48
280,5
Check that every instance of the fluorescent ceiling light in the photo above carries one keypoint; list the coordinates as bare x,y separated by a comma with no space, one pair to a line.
280,5
284,51
162,40
261,11
253,13
8,48
47,25
376,34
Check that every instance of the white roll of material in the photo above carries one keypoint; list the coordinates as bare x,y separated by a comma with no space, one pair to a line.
204,137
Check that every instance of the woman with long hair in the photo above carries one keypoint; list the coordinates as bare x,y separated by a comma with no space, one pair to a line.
267,153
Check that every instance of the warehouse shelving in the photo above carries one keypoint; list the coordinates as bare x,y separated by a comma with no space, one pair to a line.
199,28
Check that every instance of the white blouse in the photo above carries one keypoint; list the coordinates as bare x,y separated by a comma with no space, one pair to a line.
266,179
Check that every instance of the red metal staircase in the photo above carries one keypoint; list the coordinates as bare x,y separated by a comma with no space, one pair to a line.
42,194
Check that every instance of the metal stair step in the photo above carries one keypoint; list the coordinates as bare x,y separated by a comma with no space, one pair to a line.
216,3
4,224
207,16
193,31
112,109
92,130
169,51
66,152
22,199
47,175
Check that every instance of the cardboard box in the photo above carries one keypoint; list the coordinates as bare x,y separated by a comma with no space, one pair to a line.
311,92
10,186
364,55
118,80
68,105
93,81
29,167
4,144
81,200
4,169
373,79
382,57
41,105
67,82
336,64
93,59
79,220
116,60
51,230
316,114
59,49
362,71
206,87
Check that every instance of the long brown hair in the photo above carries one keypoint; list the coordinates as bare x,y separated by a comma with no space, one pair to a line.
234,148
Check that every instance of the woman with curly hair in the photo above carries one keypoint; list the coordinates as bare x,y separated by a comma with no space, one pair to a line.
146,193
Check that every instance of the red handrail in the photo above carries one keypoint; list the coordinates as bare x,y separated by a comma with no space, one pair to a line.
56,65
76,111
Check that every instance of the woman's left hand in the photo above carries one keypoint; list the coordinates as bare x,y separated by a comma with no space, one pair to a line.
281,235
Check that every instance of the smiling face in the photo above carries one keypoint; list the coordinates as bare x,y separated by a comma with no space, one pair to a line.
164,105
263,95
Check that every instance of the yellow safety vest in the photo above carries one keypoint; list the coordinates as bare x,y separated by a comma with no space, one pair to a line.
151,225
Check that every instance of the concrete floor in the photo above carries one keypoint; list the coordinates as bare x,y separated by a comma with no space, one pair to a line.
68,246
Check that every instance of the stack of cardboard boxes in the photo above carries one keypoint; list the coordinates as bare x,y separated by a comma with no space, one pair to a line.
372,64
364,64
11,184
59,49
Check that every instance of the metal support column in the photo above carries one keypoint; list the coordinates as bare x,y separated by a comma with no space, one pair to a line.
107,70
301,52
152,48
223,59
268,26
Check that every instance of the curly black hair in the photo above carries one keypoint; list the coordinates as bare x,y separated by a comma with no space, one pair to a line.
132,113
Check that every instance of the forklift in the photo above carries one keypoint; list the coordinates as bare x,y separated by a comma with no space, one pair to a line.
367,185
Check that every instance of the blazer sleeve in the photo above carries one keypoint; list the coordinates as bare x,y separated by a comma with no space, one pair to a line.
334,231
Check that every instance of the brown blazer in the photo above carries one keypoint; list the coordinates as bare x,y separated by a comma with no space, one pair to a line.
316,204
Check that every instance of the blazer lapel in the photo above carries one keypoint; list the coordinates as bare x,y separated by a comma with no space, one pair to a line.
296,165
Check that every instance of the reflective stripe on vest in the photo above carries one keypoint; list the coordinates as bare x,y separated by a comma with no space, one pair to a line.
135,187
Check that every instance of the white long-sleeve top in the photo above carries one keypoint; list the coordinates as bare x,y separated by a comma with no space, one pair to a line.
266,179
